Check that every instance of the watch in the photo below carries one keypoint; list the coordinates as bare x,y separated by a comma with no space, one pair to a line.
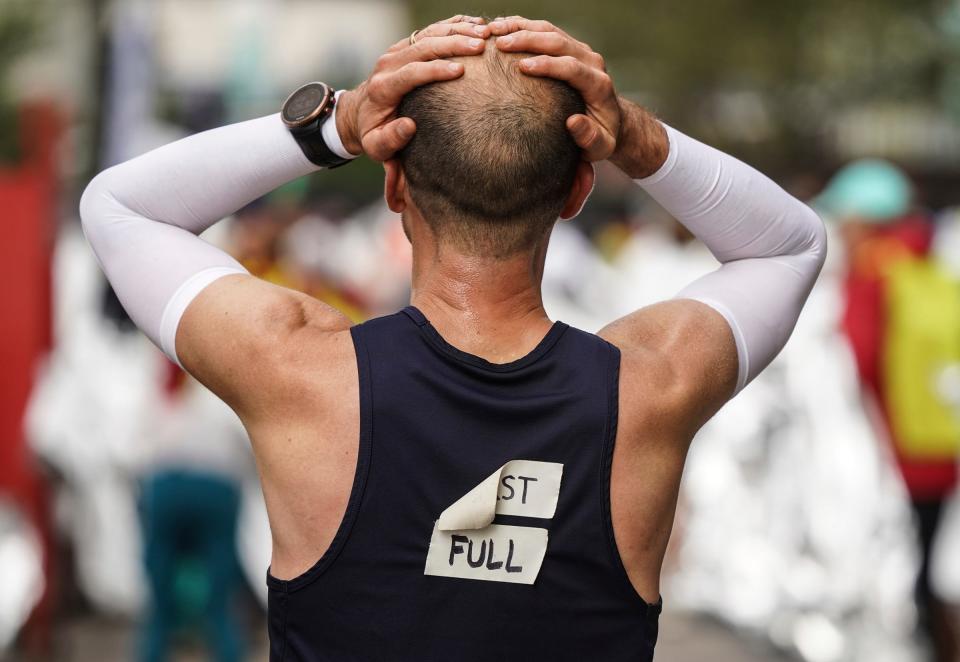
304,113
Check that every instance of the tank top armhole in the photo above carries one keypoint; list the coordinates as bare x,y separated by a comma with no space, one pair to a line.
612,372
359,477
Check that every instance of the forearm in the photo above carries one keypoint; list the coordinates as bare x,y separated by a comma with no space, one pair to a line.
194,182
141,217
771,245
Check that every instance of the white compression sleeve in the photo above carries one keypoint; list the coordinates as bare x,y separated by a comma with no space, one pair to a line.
770,244
142,217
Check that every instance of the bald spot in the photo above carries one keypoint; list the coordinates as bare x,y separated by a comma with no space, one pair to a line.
491,163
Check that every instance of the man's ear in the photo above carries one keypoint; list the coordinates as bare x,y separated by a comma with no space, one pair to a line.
394,186
582,188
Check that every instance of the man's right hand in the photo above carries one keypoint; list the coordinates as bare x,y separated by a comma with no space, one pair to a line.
612,128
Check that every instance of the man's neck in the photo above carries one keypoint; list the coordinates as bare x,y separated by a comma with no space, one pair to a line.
490,308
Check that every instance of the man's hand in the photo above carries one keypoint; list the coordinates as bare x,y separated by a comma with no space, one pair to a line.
613,128
366,117
560,56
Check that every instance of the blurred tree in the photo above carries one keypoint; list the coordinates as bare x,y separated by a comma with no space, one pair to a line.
19,29
746,73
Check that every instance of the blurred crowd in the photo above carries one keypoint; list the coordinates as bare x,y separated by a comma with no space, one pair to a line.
811,505
818,511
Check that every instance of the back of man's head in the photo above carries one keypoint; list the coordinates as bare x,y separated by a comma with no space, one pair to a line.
492,162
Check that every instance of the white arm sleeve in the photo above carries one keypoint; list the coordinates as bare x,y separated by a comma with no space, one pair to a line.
142,217
771,246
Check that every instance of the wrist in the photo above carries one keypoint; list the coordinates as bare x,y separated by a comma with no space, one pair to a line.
642,146
346,122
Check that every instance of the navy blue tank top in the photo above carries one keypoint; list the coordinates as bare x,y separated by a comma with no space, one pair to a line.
478,527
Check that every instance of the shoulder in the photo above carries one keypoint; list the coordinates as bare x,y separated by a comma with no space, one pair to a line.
263,347
678,365
307,355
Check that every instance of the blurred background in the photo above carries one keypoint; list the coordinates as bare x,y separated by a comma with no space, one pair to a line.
818,518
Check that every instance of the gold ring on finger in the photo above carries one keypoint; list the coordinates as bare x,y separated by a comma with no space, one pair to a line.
413,37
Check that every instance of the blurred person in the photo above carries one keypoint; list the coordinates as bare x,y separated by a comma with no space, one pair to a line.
376,443
98,391
264,237
790,524
902,319
255,238
189,505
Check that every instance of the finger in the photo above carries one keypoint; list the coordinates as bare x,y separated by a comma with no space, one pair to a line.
516,23
399,46
443,29
594,84
389,88
386,140
432,49
591,137
548,43
463,18
450,29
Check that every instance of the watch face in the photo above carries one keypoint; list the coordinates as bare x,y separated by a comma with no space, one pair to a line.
304,105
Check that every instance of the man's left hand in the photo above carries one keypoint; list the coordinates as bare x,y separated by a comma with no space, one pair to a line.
367,116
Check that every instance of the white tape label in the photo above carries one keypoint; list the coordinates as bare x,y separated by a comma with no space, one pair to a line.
496,553
467,545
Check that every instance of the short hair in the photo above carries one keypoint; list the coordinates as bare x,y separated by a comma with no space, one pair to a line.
492,162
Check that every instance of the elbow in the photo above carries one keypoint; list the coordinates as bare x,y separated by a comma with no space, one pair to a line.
95,203
818,237
811,239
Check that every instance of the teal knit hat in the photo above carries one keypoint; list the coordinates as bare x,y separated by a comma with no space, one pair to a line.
872,190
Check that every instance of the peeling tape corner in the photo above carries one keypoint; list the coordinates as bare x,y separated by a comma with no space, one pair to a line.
477,508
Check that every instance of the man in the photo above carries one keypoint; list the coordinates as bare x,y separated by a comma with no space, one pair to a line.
463,479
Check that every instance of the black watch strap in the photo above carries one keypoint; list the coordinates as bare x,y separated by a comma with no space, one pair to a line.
314,147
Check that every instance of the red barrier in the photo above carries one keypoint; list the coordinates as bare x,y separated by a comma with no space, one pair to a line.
28,208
